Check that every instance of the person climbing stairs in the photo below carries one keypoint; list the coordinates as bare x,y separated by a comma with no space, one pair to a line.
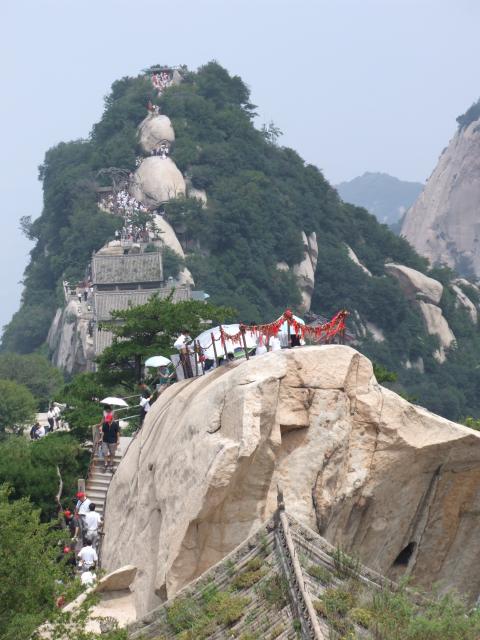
99,480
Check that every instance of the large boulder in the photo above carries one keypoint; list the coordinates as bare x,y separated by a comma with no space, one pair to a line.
415,284
156,181
154,130
436,325
384,479
464,301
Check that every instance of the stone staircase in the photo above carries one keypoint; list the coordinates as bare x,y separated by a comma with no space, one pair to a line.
98,481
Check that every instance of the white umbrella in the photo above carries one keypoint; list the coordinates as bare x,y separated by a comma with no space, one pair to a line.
157,361
205,340
114,402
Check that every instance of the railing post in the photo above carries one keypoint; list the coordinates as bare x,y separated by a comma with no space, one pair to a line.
214,348
222,338
242,329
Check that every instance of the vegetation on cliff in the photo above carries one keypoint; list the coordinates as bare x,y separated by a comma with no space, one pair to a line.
470,115
261,196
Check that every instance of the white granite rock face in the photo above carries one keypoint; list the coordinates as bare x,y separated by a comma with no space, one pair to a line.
437,326
169,238
416,285
154,130
68,340
156,181
464,301
305,270
426,293
365,468
443,223
354,258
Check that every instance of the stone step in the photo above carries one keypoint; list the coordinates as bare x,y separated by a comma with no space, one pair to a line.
100,476
96,489
96,496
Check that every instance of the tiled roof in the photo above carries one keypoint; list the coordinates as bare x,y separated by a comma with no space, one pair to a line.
131,268
104,302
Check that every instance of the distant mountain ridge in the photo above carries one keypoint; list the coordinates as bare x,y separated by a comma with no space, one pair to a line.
383,195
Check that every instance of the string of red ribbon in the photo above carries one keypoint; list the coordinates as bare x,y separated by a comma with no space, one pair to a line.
324,331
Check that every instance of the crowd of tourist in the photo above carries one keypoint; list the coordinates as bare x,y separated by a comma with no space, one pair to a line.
161,81
162,150
122,203
54,421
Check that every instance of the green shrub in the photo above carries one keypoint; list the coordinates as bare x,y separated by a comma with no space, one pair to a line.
276,631
275,591
362,617
320,573
338,601
345,565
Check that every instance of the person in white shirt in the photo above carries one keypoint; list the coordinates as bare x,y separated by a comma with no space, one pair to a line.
87,578
81,509
92,523
275,344
57,414
51,418
40,432
182,344
87,556
261,345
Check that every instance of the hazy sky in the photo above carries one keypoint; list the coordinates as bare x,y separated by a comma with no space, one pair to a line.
355,85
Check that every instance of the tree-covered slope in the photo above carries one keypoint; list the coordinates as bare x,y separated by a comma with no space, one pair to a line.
261,196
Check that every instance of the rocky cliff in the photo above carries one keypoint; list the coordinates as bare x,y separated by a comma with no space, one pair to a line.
443,222
69,339
383,478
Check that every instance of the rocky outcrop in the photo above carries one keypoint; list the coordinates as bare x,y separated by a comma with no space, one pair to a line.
353,257
443,222
436,325
155,130
464,301
69,341
305,270
369,471
193,192
170,240
414,284
156,181
426,293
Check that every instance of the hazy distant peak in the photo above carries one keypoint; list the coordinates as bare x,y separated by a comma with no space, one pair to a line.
386,196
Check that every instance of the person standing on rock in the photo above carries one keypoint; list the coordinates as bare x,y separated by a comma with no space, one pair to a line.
145,397
110,440
51,418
